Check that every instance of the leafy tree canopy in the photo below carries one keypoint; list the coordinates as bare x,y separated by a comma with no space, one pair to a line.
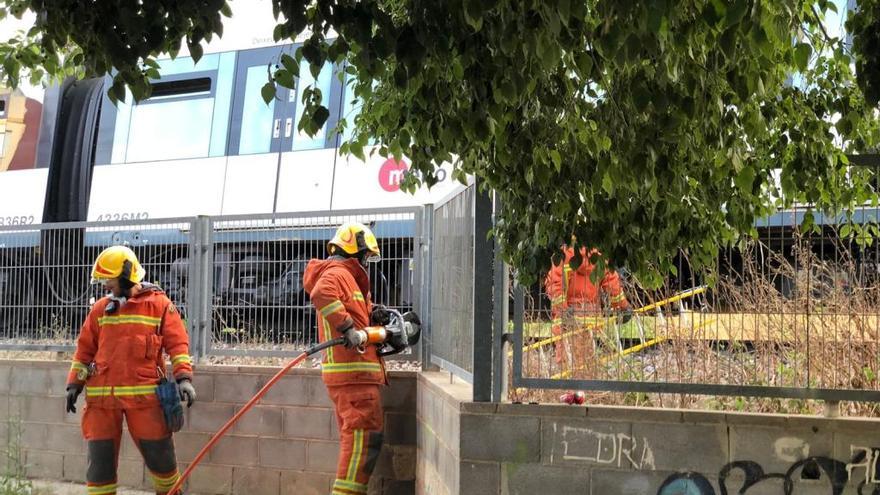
641,127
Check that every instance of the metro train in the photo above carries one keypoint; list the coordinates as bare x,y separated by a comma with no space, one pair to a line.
204,143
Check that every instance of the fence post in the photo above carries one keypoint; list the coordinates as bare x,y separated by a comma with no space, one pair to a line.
519,310
206,275
422,257
482,301
193,288
500,312
199,285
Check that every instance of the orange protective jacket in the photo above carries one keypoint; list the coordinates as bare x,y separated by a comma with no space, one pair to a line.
120,357
570,288
340,291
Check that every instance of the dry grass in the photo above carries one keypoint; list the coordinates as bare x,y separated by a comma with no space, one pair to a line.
801,318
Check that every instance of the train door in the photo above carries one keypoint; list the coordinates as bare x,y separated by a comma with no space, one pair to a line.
305,179
257,133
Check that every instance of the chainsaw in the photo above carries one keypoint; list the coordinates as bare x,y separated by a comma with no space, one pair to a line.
401,333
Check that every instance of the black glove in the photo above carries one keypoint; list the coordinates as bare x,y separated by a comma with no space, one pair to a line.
187,391
380,315
624,315
73,391
355,338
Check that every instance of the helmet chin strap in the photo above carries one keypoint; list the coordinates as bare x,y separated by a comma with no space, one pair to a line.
362,259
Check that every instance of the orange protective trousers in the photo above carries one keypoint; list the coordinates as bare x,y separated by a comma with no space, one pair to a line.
360,420
102,429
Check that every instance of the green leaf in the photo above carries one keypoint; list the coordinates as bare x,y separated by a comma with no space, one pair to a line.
745,178
736,12
279,33
473,14
557,160
607,184
290,65
195,51
268,92
320,117
564,11
802,53
285,78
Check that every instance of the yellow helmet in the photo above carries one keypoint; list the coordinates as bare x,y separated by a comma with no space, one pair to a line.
353,238
117,262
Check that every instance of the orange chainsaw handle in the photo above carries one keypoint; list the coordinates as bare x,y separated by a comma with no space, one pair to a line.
376,334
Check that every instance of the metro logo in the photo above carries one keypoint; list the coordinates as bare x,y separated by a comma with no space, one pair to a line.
391,173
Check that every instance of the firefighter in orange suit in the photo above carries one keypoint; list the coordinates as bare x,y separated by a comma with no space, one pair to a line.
339,288
575,303
119,361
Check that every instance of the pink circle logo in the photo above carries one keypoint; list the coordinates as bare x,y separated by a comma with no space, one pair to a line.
391,173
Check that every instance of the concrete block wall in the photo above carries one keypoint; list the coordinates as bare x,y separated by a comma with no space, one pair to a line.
287,444
505,449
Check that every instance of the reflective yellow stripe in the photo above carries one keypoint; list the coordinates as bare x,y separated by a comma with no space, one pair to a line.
350,367
356,448
618,298
357,296
332,308
181,358
170,479
349,486
102,490
566,271
129,319
82,371
120,391
165,483
327,336
557,300
589,319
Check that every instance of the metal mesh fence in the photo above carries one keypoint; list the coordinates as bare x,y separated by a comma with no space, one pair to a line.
452,289
258,303
45,271
791,313
238,281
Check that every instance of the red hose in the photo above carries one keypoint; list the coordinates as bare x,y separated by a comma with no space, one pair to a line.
246,408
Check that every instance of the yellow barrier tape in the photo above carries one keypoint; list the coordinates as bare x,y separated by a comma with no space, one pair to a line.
628,350
678,297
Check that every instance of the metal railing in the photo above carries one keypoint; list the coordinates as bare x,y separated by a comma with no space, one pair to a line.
258,305
237,280
790,314
45,270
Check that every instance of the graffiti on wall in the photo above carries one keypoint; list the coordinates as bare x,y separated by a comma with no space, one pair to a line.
605,448
739,477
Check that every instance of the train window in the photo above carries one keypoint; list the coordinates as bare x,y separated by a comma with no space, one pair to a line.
171,130
186,116
301,140
256,122
181,87
3,109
